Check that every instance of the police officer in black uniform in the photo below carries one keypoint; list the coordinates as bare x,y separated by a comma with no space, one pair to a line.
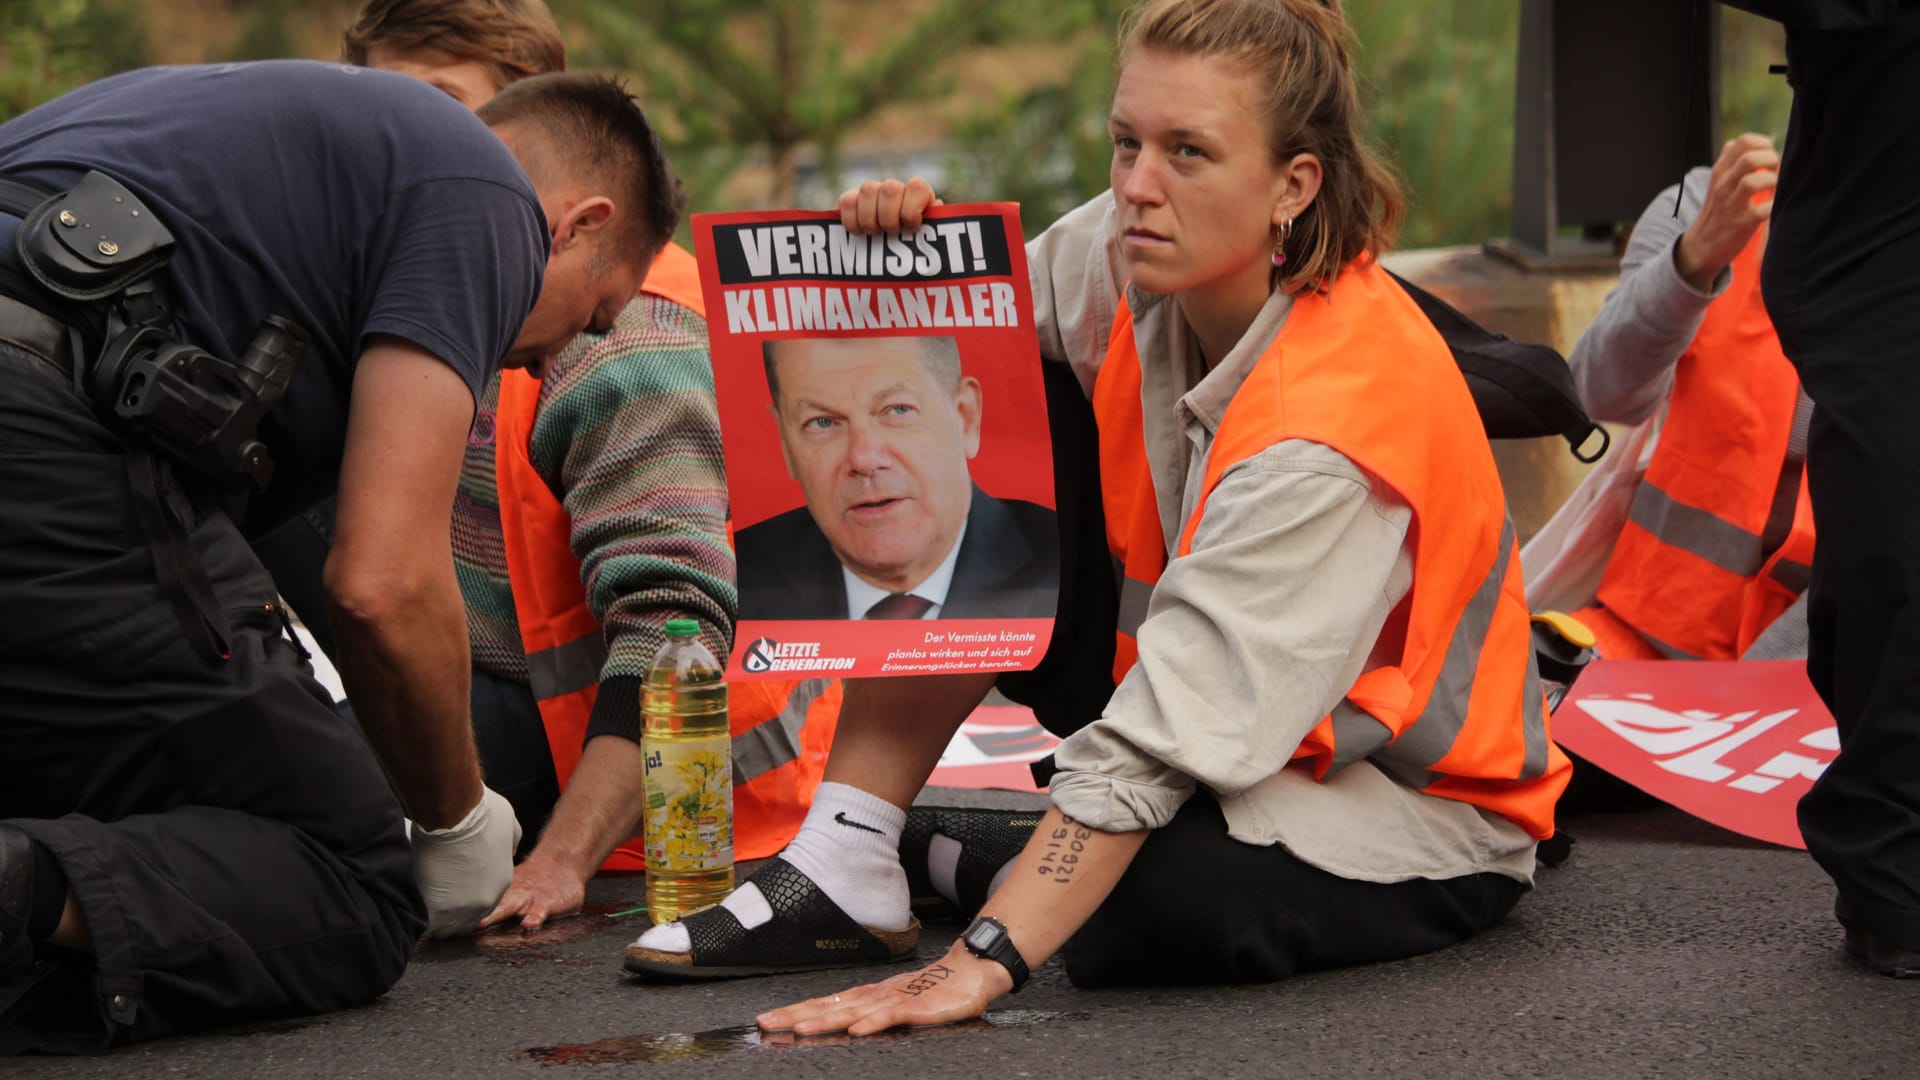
225,292
1842,286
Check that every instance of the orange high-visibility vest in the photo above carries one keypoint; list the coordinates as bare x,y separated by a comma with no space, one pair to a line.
1720,537
781,730
1359,369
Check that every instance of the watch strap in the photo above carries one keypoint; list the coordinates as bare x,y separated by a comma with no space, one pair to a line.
1001,951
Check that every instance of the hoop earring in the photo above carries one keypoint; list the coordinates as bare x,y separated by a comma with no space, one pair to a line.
1279,245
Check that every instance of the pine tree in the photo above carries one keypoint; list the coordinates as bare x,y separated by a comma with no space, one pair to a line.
776,76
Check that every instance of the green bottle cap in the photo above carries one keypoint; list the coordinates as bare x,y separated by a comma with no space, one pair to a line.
683,627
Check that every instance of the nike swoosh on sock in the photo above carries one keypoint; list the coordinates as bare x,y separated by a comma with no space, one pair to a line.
840,817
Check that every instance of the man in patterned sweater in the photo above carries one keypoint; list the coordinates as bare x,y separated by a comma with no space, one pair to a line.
621,430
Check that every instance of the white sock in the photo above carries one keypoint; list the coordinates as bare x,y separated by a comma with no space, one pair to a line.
849,846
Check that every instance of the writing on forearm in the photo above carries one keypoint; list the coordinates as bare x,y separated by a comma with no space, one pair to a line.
926,980
1063,849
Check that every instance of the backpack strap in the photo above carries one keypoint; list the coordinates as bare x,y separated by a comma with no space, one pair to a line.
1523,390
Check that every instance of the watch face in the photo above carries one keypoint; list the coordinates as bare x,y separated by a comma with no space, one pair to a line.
982,935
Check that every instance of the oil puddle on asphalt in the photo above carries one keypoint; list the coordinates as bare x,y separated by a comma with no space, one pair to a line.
724,1042
509,944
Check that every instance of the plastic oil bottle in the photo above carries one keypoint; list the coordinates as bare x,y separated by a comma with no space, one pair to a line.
688,756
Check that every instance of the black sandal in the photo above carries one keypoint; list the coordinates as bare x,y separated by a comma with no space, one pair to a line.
808,932
988,839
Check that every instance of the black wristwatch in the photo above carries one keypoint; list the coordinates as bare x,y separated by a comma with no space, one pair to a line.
987,939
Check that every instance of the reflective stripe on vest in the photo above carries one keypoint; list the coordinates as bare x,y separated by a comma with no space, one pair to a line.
1792,576
774,742
1460,714
565,668
1720,542
1718,524
1410,758
1134,595
781,730
1715,539
1425,744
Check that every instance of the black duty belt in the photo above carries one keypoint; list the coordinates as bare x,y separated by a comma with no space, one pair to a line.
79,288
29,328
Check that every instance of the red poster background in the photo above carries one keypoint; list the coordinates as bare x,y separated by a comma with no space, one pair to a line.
1015,460
1735,743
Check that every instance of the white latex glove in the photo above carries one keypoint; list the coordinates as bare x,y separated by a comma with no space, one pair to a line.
463,871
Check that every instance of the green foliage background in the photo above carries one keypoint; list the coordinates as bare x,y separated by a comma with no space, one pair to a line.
1437,77
773,84
48,47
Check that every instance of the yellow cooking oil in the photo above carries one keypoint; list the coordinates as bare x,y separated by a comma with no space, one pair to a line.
688,754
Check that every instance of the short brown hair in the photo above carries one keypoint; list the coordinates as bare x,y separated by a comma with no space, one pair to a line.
516,38
590,126
1301,51
940,353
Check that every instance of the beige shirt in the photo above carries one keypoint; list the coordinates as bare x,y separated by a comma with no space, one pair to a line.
1256,634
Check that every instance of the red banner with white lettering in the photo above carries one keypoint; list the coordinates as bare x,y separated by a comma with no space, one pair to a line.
993,749
1735,743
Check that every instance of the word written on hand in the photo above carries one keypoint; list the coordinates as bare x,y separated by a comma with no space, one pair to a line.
926,980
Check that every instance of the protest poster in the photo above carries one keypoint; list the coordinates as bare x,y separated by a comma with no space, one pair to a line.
885,429
1735,743
994,748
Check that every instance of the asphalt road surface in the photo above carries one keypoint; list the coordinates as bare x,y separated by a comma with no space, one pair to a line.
1665,947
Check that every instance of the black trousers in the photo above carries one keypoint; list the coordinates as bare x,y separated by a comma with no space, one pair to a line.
234,846
1074,679
515,759
1196,905
1842,283
507,729
512,742
295,555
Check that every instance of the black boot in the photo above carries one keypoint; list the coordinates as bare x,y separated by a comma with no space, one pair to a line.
1882,958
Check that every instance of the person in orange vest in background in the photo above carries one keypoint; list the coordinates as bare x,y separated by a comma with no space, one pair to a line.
1328,744
1716,544
592,509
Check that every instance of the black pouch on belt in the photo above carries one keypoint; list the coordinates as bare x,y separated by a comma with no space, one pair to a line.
94,255
93,242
